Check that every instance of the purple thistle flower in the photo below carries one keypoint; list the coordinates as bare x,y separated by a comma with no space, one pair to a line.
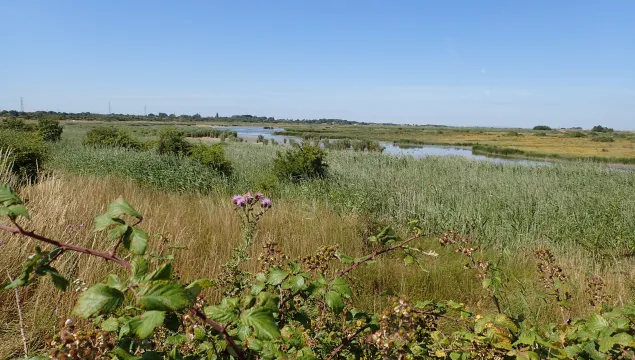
266,203
236,198
241,202
259,196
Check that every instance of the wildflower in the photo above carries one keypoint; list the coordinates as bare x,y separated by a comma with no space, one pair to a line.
259,196
266,203
236,199
248,197
241,202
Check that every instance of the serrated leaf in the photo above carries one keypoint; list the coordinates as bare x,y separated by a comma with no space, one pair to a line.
263,323
118,231
277,276
295,283
110,324
164,296
14,211
226,312
59,281
334,301
104,221
145,324
138,241
163,272
139,266
121,207
340,285
345,259
8,196
196,286
596,323
98,299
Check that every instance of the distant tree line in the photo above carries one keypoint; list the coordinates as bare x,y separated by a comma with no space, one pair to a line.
54,115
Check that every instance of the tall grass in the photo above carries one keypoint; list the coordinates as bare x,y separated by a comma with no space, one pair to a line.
63,207
503,206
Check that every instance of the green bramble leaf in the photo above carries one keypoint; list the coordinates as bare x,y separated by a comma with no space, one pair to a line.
139,266
334,301
98,299
277,276
110,324
121,207
138,241
8,196
226,312
295,283
340,285
104,221
14,211
118,231
164,296
163,272
145,324
59,281
195,287
345,259
262,322
114,282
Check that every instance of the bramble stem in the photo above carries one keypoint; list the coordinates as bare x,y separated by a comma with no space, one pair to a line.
17,230
221,329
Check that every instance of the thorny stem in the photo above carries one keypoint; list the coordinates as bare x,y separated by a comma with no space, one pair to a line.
346,341
221,329
353,266
375,253
17,230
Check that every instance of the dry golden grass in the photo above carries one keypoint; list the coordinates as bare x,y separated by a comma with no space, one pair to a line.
63,207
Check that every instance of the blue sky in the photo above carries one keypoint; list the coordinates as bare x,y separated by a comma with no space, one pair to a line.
489,63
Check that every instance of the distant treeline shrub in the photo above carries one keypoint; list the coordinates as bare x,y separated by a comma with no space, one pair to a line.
208,132
542,133
367,145
600,128
542,127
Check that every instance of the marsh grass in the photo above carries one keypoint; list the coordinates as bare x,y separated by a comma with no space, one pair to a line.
64,207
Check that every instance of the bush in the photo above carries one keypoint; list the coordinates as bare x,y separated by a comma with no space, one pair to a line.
575,134
214,156
172,141
542,133
603,139
28,151
50,130
600,128
16,124
542,127
108,136
367,145
302,163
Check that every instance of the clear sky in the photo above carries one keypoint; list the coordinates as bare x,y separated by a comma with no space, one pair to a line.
490,63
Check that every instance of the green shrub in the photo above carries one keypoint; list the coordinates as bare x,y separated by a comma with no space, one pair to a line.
172,141
542,127
15,124
600,128
513,133
108,136
28,151
50,130
603,139
302,163
214,156
542,133
367,145
575,134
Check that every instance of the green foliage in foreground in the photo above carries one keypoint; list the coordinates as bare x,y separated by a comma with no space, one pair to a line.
299,309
